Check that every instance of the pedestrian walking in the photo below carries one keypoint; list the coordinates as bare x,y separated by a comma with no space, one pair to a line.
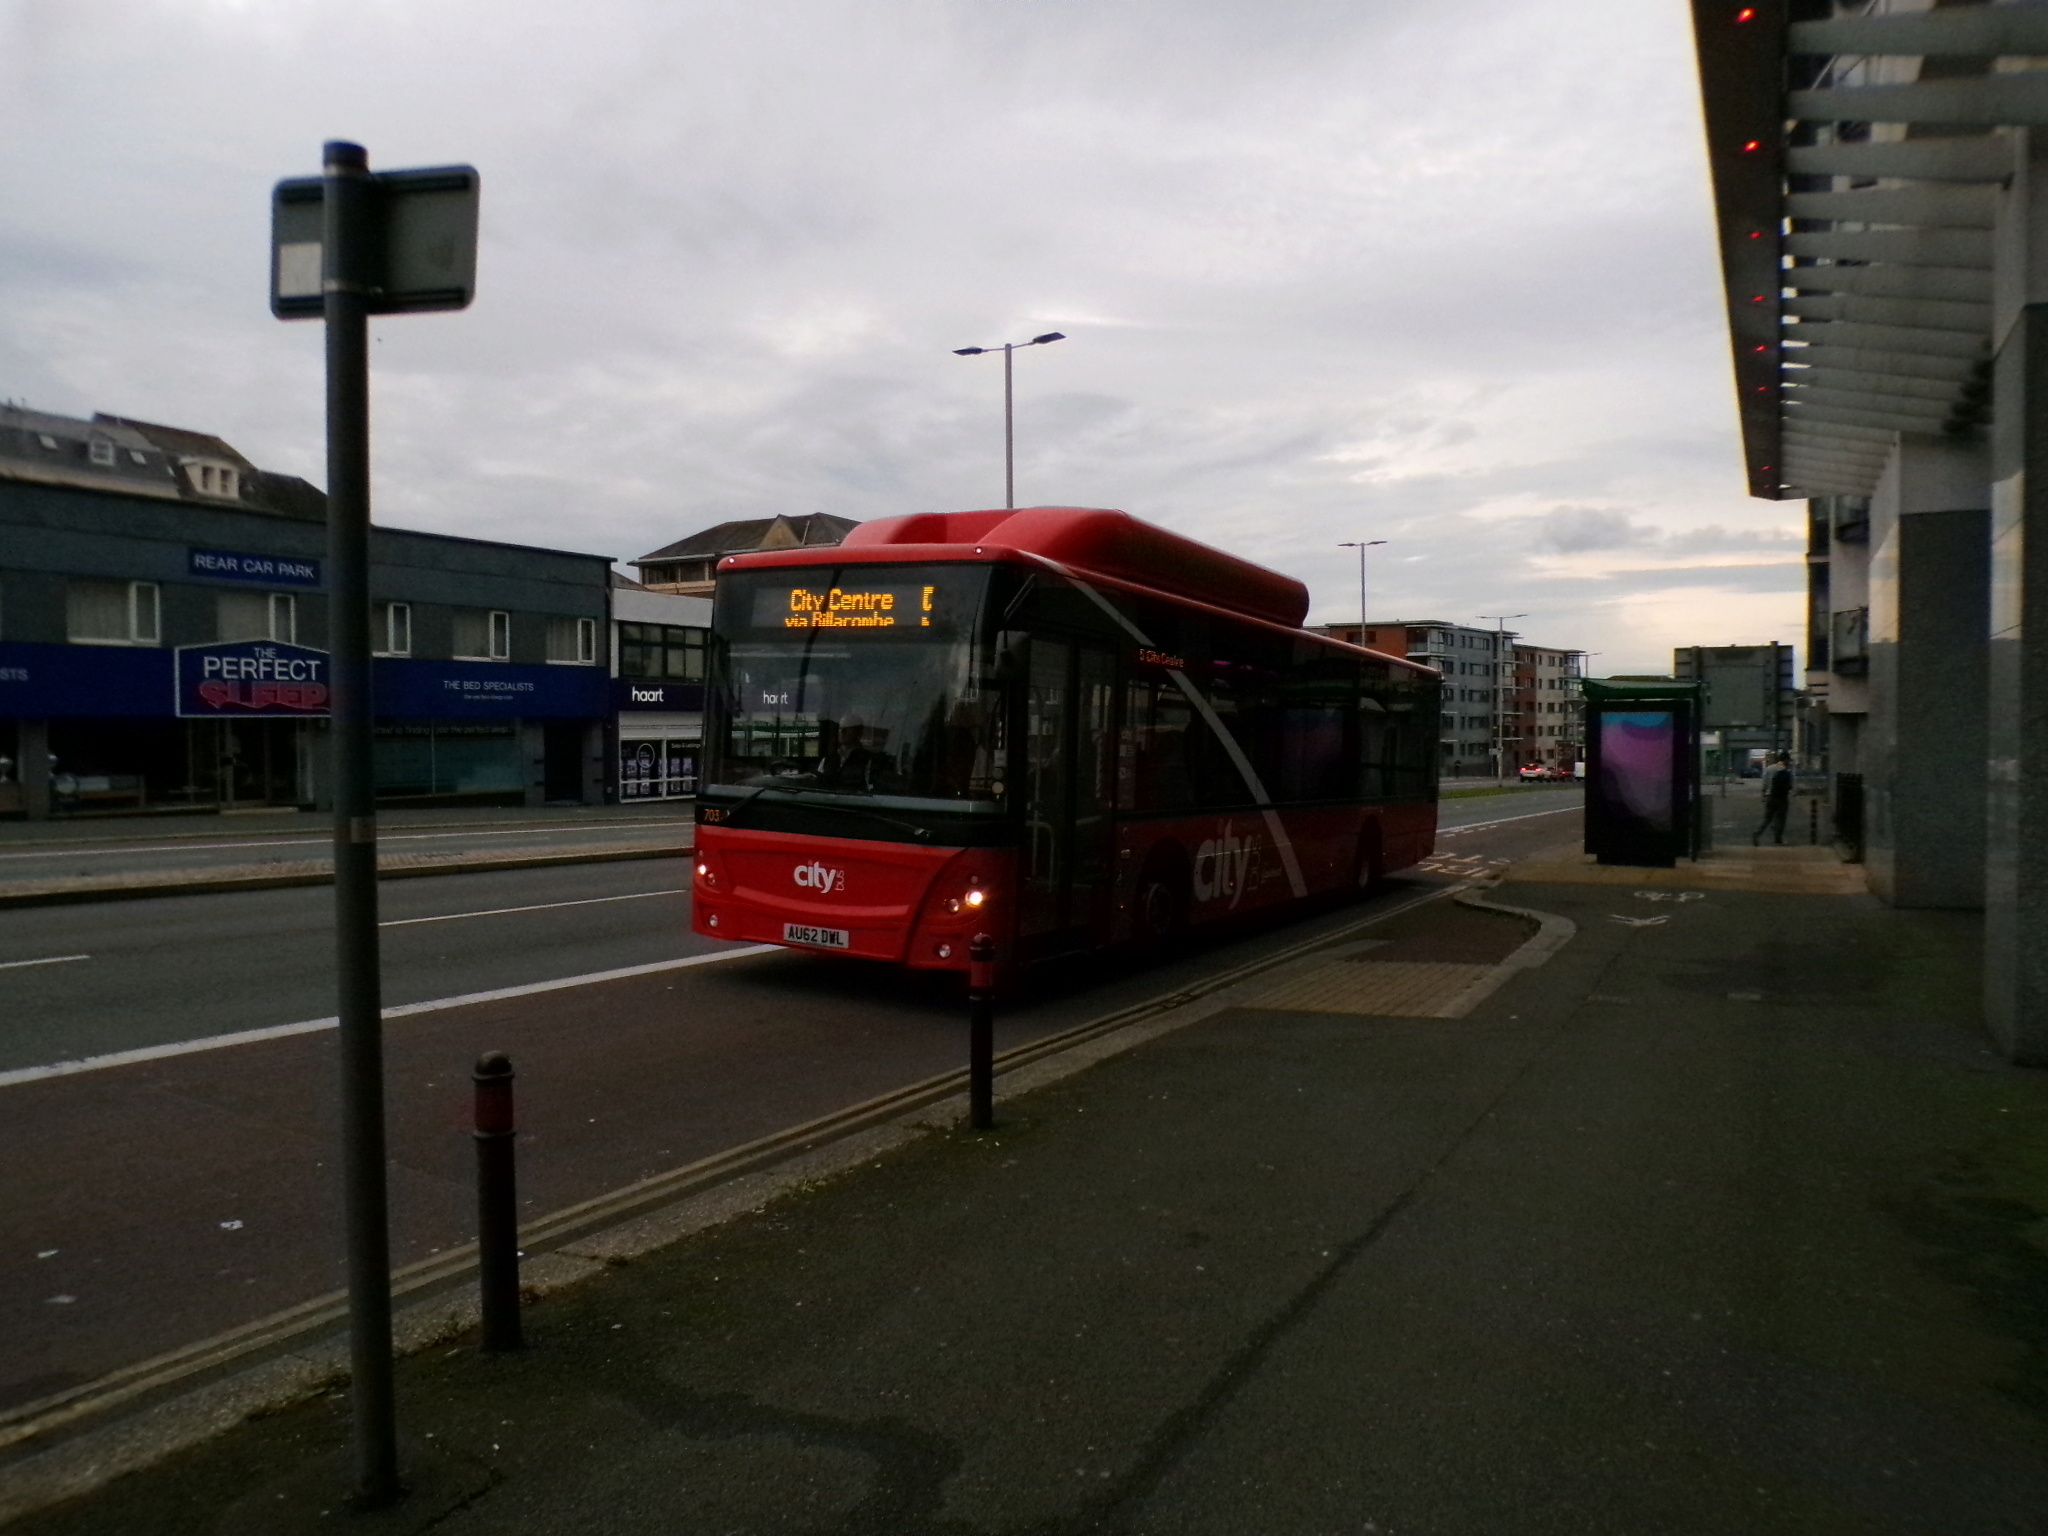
1777,799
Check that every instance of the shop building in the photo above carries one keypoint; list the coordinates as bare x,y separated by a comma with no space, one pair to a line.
661,627
163,633
688,567
660,645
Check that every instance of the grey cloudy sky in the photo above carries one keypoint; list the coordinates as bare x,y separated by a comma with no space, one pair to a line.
1439,272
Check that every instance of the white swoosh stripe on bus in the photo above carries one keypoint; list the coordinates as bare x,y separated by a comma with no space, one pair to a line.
1281,843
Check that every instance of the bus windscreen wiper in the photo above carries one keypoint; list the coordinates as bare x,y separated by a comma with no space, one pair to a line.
923,834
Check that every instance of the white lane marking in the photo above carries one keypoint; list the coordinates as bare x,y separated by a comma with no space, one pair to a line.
9,965
1474,826
403,1010
77,851
545,906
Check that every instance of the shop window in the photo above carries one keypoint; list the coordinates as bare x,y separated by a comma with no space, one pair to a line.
257,616
112,612
661,650
483,634
572,642
391,629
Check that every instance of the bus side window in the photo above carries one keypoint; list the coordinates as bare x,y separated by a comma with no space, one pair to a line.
1152,758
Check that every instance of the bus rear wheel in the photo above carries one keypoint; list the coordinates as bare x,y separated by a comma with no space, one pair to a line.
1372,867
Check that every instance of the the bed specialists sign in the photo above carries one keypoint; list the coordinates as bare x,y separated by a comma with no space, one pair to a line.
252,677
270,570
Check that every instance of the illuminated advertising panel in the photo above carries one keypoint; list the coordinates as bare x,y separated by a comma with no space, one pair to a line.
1638,751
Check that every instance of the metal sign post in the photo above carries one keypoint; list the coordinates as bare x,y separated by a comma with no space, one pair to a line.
341,251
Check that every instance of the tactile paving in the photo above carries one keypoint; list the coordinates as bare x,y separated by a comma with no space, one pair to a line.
1409,989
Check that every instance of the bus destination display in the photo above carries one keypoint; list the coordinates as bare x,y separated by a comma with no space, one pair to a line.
777,606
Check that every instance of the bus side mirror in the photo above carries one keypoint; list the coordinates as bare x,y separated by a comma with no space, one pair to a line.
1007,665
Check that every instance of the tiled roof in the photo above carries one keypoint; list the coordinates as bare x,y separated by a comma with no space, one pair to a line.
752,533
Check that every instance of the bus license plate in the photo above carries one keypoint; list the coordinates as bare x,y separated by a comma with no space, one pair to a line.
824,938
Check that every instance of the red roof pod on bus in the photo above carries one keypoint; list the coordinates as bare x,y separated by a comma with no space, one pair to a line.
1104,542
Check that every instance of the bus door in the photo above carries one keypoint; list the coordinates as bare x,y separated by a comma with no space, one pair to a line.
1069,741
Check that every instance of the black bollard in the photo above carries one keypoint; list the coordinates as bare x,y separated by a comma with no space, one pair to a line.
981,1049
1813,821
497,1204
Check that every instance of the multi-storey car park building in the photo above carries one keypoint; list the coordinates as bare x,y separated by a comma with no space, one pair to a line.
1504,702
163,620
1750,701
1881,186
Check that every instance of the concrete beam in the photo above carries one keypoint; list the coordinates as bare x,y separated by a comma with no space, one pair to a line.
1824,482
1882,421
1975,158
1946,391
1801,468
1893,338
1916,365
1872,435
1935,413
1949,207
1911,247
1836,451
1806,487
1966,31
1863,472
1976,101
1968,284
1921,314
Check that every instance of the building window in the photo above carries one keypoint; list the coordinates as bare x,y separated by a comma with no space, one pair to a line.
483,634
391,629
100,451
112,613
257,616
572,642
661,650
212,479
49,443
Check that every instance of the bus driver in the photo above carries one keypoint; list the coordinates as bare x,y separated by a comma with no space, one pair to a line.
850,763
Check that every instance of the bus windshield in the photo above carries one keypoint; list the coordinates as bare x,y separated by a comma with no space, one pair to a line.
857,681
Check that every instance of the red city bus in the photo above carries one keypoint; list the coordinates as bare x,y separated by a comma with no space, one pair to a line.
1059,726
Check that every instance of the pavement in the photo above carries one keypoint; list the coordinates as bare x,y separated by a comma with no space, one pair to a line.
1552,1206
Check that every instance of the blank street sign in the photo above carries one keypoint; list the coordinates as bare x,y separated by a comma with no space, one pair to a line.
427,241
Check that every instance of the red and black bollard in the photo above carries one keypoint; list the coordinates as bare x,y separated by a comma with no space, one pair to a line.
497,1204
981,1033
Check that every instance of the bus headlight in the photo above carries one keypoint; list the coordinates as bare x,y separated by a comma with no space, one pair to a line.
974,899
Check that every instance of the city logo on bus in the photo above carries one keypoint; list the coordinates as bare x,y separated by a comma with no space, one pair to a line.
1222,864
816,877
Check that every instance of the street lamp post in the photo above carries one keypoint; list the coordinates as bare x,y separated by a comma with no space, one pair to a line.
1009,430
1500,689
1361,547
